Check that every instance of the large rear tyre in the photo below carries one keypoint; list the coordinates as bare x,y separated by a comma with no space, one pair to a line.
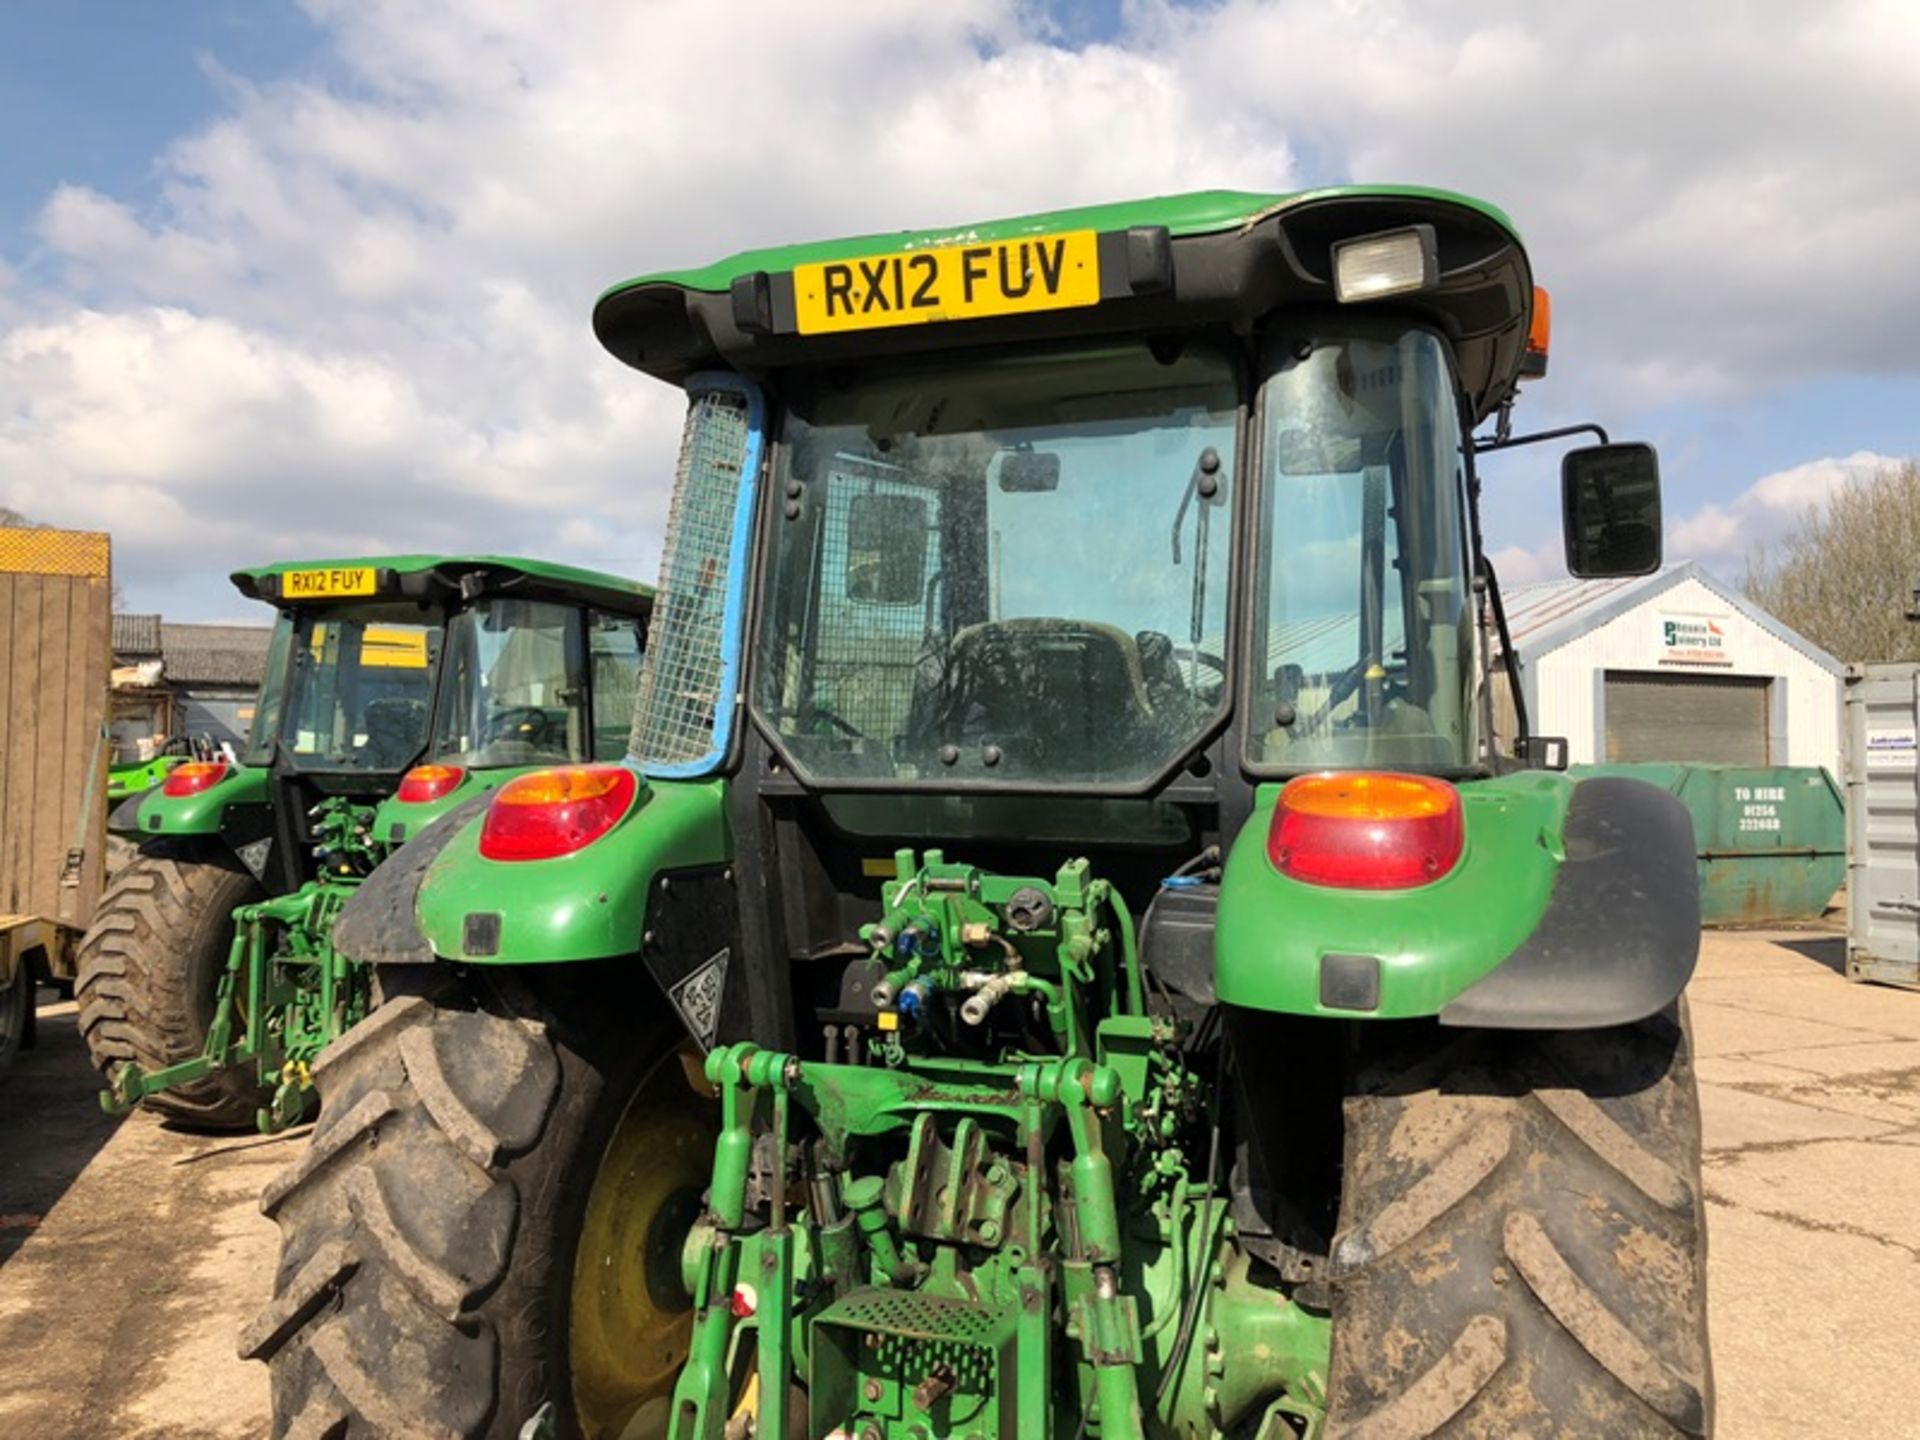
149,971
1522,1246
489,1216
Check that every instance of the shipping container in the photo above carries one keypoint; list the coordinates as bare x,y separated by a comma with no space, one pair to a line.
1771,839
55,632
1883,823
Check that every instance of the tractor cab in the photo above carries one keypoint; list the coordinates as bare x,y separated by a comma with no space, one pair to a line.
1136,508
407,683
423,682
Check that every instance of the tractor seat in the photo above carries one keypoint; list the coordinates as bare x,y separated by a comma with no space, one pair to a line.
1066,696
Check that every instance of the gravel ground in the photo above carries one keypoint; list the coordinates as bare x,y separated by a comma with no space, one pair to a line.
130,1254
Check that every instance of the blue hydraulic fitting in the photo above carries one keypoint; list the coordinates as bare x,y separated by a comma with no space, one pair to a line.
921,937
912,1000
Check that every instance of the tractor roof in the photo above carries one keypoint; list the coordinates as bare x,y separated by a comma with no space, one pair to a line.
1215,257
439,576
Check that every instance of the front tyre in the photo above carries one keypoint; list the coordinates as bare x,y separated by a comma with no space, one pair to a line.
1522,1245
489,1215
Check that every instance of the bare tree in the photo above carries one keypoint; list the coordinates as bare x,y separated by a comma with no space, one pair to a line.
1845,574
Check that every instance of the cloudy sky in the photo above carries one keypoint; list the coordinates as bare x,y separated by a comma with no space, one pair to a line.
284,279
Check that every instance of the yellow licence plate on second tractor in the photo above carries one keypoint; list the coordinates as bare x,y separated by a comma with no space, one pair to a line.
314,584
948,282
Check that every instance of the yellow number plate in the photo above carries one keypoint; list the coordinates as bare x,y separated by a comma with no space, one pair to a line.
952,282
319,584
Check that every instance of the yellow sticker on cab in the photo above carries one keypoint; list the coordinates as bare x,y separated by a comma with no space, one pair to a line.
324,584
948,282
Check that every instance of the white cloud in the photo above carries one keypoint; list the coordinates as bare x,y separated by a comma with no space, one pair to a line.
356,315
1707,188
1723,536
356,319
1519,565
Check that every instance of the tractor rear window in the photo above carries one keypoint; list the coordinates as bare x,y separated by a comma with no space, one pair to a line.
513,692
1012,571
354,687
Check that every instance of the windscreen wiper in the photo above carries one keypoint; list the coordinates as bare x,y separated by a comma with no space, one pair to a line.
1204,482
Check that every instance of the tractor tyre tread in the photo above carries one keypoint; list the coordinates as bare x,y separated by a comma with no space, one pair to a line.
160,913
1522,1245
393,1278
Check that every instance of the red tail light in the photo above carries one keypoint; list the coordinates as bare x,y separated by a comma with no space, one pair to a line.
428,782
556,812
193,777
1366,830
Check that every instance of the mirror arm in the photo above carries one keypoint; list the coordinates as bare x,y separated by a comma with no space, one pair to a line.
1503,441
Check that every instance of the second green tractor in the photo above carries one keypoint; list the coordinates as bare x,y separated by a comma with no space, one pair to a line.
397,689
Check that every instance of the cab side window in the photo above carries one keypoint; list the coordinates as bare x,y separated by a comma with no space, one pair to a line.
614,650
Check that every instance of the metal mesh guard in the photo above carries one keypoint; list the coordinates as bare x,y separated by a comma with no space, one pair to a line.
54,552
680,689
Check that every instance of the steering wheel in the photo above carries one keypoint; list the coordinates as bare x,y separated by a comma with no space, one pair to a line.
1188,657
528,723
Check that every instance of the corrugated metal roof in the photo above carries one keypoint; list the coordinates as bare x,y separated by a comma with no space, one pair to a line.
1545,604
1546,615
136,636
233,655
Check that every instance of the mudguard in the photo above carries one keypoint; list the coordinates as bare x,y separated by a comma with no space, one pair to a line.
1621,932
438,898
397,821
154,812
1574,905
376,926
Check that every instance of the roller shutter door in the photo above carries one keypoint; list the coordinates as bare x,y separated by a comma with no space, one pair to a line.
1702,719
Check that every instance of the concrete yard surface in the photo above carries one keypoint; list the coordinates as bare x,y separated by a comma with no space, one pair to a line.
131,1254
1810,1090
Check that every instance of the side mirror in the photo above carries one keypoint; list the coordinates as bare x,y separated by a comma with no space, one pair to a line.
1028,472
886,549
1610,510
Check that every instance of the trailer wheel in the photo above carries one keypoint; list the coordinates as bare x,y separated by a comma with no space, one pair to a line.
16,1013
149,969
489,1216
1522,1245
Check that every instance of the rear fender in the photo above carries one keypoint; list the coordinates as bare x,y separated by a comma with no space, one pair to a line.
1574,905
396,821
154,812
439,898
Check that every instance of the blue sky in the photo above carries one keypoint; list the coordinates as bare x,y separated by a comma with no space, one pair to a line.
281,279
99,86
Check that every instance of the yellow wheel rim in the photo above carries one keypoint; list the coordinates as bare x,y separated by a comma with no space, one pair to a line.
630,1316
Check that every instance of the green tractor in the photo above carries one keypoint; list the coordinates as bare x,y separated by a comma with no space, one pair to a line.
1068,954
398,689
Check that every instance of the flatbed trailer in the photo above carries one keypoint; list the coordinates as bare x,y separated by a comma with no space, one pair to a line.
55,637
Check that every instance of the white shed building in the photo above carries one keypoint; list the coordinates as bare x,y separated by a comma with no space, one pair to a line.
1672,666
